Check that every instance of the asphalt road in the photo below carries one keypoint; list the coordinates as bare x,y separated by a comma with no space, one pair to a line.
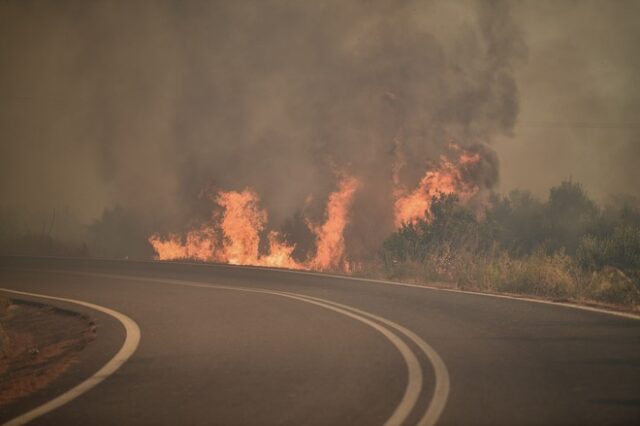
230,345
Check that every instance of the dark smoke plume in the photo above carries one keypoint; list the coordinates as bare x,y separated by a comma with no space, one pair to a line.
149,105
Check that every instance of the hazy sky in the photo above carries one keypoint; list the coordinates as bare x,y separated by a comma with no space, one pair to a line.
147,104
579,98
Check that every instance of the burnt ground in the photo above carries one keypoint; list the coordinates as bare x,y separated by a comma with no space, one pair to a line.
38,343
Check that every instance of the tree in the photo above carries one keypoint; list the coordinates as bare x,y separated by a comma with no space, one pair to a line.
568,216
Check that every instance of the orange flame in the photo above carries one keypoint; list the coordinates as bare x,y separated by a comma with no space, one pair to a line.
279,254
448,178
241,224
199,245
330,236
234,236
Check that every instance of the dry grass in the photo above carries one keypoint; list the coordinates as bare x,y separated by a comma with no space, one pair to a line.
550,276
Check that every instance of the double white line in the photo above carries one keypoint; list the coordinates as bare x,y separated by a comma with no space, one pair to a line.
385,327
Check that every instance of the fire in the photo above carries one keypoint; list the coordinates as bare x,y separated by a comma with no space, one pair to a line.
242,222
241,225
448,178
330,236
198,245
279,254
233,235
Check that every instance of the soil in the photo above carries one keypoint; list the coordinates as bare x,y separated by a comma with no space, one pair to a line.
38,343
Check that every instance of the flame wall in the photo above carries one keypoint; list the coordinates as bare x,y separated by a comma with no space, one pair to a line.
154,106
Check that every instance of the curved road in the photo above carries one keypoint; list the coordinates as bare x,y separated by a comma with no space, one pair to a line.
233,345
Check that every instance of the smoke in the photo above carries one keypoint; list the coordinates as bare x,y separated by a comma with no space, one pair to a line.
151,105
580,99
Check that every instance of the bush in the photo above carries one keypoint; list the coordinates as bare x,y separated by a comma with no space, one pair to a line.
565,248
611,285
518,222
451,228
568,216
620,249
403,245
538,274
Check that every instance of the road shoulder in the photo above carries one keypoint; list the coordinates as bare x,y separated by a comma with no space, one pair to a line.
38,344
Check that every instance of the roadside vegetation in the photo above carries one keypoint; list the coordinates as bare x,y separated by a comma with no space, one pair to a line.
564,248
567,247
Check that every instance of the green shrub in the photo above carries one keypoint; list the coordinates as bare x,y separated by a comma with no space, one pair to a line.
565,248
620,249
538,274
568,216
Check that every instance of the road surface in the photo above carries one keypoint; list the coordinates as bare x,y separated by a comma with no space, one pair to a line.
232,345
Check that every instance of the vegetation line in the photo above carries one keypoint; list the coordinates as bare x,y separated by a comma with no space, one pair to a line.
567,248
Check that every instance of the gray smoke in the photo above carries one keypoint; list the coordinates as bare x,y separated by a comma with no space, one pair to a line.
150,105
580,98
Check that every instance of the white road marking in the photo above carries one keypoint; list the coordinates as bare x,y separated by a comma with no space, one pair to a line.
132,339
627,315
442,386
442,382
415,374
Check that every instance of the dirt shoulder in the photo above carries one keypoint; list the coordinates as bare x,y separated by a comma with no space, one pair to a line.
38,343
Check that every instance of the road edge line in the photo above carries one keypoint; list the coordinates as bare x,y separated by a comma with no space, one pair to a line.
620,314
131,342
442,385
524,298
414,371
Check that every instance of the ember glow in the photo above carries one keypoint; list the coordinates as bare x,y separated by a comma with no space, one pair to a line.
235,237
